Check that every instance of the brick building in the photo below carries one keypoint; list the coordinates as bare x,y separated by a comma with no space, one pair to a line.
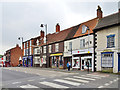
28,50
13,55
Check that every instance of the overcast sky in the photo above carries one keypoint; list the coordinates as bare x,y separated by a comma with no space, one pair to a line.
24,18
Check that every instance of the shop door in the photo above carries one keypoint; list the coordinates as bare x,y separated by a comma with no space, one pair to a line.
118,62
82,64
57,61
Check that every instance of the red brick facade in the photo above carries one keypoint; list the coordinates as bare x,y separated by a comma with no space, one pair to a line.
13,55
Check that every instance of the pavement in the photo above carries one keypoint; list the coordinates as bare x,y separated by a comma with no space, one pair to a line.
47,78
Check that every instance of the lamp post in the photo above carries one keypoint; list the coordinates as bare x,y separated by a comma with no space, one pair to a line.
88,47
42,25
21,38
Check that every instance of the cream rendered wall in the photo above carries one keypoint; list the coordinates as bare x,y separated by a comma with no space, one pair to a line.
102,45
76,44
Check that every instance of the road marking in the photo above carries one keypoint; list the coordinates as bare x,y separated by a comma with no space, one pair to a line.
107,84
84,78
100,87
91,76
78,80
28,86
111,82
31,80
114,80
54,85
68,82
16,82
96,75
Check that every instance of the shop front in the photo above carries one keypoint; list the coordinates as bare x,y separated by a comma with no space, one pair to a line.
28,61
83,59
57,60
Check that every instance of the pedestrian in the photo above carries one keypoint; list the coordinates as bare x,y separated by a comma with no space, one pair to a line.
68,65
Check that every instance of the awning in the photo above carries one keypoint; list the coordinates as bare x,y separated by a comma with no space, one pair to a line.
57,54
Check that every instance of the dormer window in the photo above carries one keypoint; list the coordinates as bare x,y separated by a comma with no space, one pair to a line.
84,29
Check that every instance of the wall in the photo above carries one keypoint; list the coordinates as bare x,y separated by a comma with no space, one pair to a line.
15,54
76,44
102,45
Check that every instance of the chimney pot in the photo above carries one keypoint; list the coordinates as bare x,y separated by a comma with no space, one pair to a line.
42,33
99,12
57,27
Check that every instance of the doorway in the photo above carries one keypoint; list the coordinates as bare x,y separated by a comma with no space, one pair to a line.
118,62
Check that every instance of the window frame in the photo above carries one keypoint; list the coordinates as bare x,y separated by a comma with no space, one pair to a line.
112,53
109,42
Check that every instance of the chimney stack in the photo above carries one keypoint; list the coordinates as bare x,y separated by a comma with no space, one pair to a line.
57,27
99,12
42,33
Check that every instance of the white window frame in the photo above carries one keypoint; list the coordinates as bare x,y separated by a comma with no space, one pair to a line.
50,48
56,47
82,43
44,49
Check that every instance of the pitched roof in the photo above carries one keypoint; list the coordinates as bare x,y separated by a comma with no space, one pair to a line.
90,24
108,21
62,35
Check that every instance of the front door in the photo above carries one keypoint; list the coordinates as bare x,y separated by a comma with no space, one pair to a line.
82,64
118,62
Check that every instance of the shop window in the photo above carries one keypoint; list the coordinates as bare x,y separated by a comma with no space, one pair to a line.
107,59
61,60
76,63
53,61
110,41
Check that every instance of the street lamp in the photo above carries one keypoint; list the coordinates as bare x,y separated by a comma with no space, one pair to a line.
21,38
42,25
88,47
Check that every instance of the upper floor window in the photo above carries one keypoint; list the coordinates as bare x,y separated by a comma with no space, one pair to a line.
24,45
82,43
50,48
111,41
56,47
40,49
70,46
37,42
30,42
27,44
44,48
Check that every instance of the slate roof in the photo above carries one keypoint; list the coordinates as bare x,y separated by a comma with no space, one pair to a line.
108,21
62,35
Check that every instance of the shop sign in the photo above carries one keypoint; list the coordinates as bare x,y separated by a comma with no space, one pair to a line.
58,54
107,50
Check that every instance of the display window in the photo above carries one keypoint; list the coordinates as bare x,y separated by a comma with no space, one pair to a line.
76,63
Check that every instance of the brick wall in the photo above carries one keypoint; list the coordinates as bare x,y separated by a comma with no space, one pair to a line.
15,54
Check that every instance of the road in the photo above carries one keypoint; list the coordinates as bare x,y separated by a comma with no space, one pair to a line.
24,78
